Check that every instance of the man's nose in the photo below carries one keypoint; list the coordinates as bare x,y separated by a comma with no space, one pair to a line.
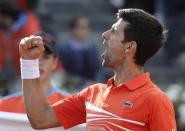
105,35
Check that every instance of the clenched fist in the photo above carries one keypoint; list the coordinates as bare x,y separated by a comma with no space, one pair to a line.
31,47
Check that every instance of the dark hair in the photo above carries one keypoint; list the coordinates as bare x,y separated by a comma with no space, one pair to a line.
48,51
49,43
74,22
145,30
9,8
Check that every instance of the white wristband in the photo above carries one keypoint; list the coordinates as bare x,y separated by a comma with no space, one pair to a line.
30,69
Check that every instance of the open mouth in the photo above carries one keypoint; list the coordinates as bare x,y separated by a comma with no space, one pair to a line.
103,54
105,46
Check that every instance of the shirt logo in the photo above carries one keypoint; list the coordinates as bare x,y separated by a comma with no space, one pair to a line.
128,103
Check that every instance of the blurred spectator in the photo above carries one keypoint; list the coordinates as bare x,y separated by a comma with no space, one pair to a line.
79,56
14,25
47,63
174,11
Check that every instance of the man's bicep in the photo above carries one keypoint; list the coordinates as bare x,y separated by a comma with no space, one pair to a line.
53,120
50,120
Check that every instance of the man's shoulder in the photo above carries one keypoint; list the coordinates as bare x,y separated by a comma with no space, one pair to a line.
94,88
97,87
156,95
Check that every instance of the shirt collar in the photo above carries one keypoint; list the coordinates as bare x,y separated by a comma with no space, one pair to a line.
133,83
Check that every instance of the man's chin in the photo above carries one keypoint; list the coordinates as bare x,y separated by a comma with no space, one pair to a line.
104,64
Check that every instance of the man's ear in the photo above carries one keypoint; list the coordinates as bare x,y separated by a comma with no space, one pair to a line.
131,47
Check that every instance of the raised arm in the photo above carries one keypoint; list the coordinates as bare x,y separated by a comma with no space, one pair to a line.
40,113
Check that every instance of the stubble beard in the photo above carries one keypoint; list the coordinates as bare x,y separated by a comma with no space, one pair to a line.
106,61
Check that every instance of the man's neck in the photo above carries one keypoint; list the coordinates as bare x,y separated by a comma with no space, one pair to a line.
126,71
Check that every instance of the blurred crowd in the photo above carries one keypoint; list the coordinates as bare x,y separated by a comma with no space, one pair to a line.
78,57
16,21
79,62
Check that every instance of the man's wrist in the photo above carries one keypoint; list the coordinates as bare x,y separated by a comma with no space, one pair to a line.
29,69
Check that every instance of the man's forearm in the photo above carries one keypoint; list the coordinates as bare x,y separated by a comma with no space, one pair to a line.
36,103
